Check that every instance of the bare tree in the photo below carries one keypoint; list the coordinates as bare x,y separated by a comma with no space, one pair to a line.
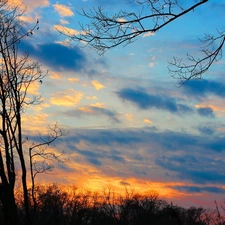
40,157
17,74
106,31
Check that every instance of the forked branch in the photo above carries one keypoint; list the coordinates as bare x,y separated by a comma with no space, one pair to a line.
108,31
195,67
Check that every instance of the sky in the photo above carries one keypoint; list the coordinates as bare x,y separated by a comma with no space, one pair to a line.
129,124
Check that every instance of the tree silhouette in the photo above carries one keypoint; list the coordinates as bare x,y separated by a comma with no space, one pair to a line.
17,74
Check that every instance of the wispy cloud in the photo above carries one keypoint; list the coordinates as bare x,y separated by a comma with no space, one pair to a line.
94,110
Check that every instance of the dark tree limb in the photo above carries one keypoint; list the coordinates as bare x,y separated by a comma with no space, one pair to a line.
108,31
194,67
39,157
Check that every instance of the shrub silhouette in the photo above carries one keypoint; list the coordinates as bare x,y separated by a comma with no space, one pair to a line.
58,206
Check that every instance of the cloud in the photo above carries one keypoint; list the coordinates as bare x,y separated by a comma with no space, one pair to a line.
147,121
149,34
144,100
31,5
205,111
129,116
66,30
202,88
97,156
73,79
63,10
53,55
217,145
206,130
185,157
67,98
198,170
94,161
94,110
64,21
200,189
167,140
97,85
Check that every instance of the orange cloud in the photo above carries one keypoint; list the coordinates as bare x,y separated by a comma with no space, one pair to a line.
30,5
54,75
85,109
91,178
91,98
97,85
33,124
63,10
147,121
88,109
66,30
28,19
68,98
32,89
98,105
129,116
74,79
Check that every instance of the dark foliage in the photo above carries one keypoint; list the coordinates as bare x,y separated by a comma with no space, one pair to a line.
58,206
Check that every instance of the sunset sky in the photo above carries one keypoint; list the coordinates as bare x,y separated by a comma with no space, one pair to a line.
129,124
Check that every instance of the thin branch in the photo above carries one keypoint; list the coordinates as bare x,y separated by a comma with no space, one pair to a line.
194,67
105,32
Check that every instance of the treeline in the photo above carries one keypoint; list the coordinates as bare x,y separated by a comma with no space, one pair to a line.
57,206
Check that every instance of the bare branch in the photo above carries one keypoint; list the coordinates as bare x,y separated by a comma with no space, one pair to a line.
194,68
40,157
108,31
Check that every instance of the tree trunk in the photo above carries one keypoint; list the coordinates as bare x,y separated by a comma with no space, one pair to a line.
9,208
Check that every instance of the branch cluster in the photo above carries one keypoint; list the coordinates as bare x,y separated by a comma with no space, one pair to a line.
195,67
107,31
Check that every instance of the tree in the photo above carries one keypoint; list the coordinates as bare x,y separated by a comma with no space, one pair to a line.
108,31
39,158
17,74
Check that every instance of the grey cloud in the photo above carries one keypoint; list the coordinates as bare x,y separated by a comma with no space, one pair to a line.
143,100
199,170
205,111
56,56
203,88
200,189
96,111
